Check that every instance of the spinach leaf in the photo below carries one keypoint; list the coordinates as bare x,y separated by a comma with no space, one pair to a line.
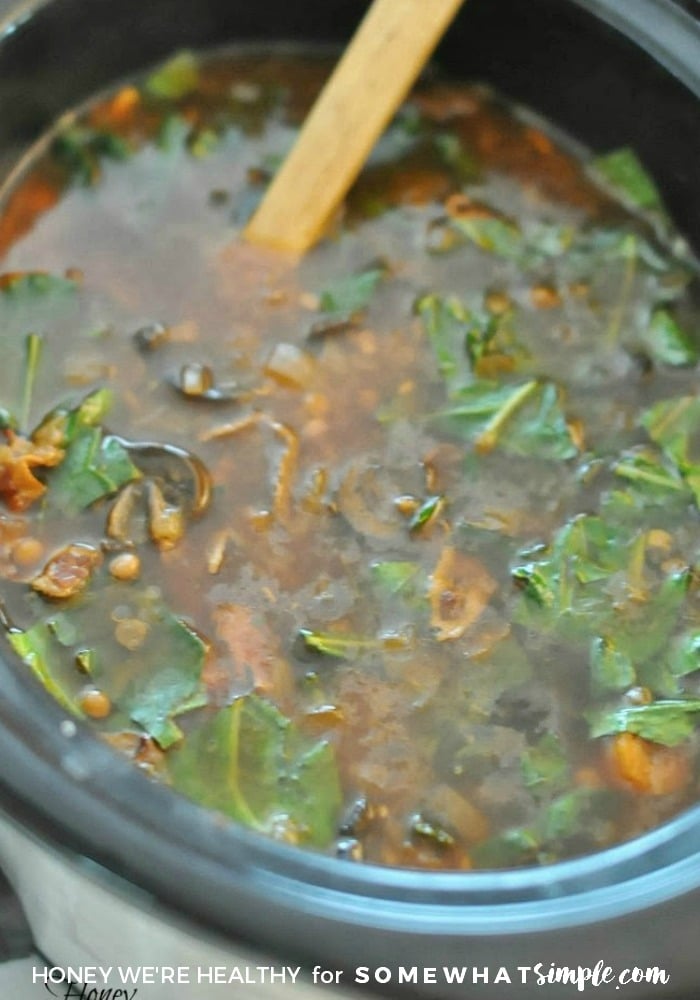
545,766
250,762
27,287
176,78
336,645
429,509
524,419
668,342
611,668
495,235
37,648
654,489
468,340
669,722
447,322
514,847
202,142
397,578
173,133
457,156
645,635
149,682
564,583
351,294
624,173
574,814
33,344
95,465
81,148
674,425
684,656
571,814
530,247
649,477
590,585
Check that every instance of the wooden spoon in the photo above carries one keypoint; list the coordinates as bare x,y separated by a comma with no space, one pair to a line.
388,51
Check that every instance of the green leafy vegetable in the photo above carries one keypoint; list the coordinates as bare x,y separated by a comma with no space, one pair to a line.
654,490
173,133
649,476
576,814
396,578
95,465
429,830
492,234
351,294
202,142
545,766
28,286
80,149
525,419
674,425
36,647
684,656
175,79
623,171
611,668
447,322
464,339
519,846
33,344
338,646
429,509
590,584
251,763
150,684
669,722
455,155
570,815
668,342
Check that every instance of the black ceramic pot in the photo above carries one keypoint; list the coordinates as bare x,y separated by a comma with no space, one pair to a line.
610,72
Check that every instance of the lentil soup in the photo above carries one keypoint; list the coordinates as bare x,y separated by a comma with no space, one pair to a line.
389,551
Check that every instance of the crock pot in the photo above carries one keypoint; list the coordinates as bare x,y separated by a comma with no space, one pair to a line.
113,870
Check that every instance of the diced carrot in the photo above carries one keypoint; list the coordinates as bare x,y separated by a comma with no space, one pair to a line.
117,111
34,197
648,767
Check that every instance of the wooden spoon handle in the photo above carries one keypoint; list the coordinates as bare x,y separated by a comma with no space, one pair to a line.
388,51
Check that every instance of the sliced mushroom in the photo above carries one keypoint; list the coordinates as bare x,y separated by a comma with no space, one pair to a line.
184,478
123,521
149,338
367,498
166,523
331,326
175,485
196,381
460,589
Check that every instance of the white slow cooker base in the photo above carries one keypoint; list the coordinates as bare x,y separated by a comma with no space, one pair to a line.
76,920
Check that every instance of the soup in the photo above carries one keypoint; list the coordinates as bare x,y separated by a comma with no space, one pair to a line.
389,551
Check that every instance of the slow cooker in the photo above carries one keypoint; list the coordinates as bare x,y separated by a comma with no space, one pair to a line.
113,871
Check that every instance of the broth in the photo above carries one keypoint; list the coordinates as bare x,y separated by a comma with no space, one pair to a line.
389,551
